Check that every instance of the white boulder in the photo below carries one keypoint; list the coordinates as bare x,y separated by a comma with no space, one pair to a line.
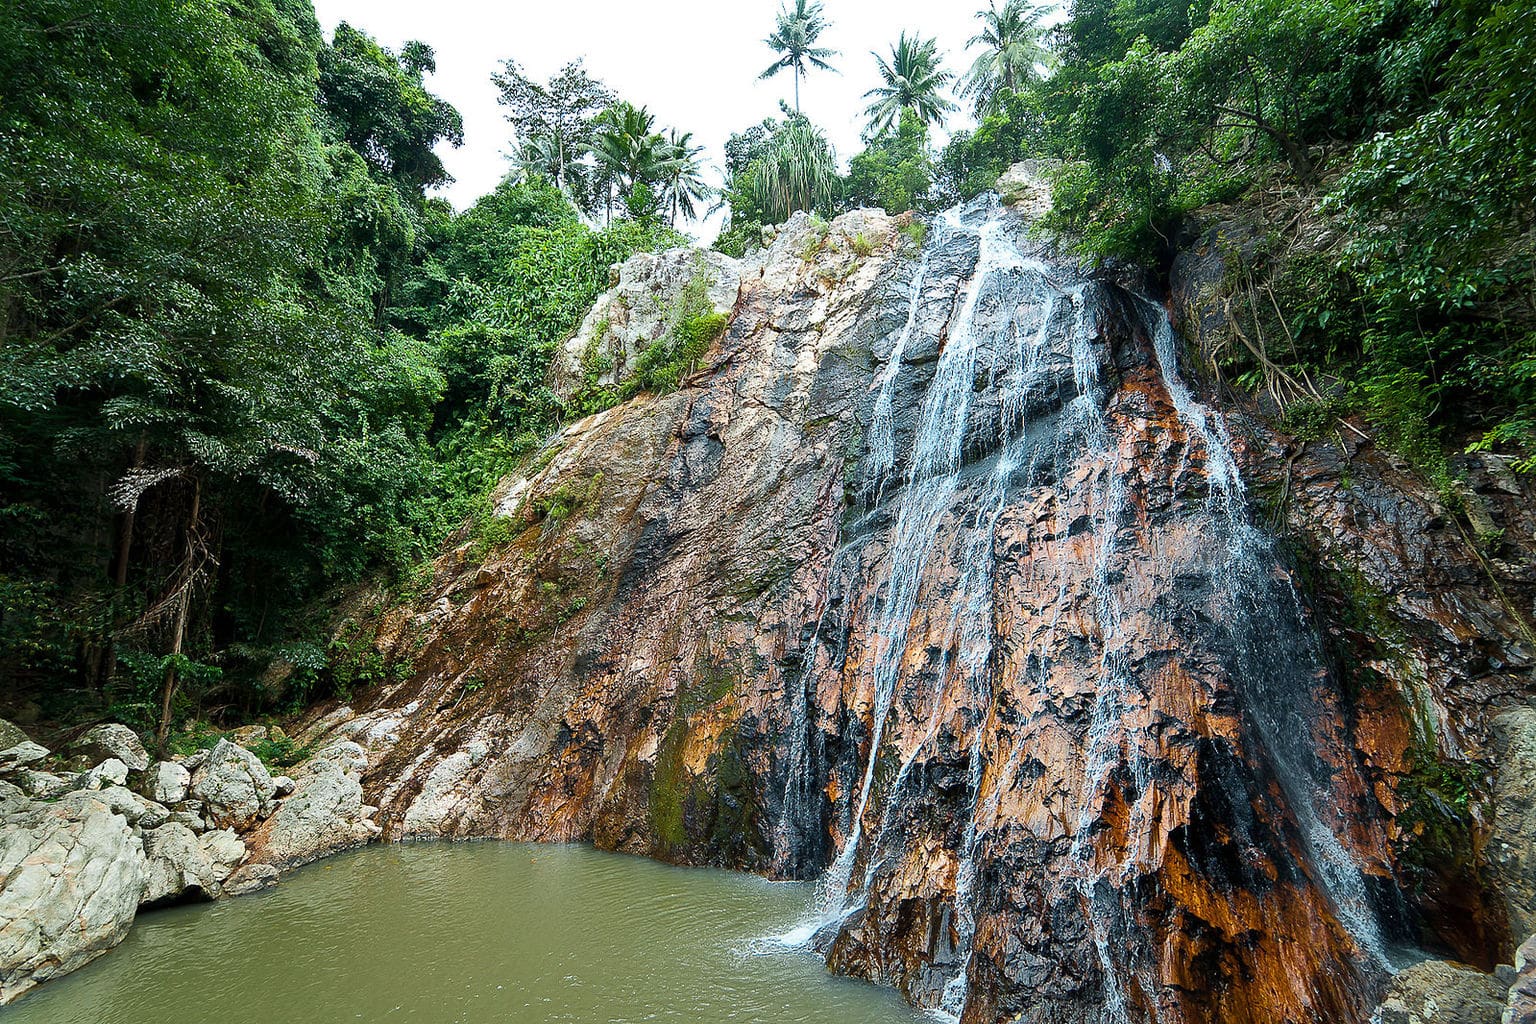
234,786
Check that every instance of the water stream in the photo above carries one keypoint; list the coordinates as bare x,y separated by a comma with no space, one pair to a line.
1021,356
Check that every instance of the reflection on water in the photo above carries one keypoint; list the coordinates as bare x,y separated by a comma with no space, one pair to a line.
477,932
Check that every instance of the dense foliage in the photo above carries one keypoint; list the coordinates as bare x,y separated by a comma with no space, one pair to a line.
246,359
1401,131
1374,165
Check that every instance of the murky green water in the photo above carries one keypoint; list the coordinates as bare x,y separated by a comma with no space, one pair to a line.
473,933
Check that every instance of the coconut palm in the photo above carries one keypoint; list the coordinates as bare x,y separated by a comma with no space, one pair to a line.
794,39
913,80
1013,51
629,150
684,186
540,155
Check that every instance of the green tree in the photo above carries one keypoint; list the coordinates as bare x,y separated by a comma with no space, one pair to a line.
540,155
797,171
637,157
895,170
972,161
913,79
558,114
194,411
684,186
743,151
1013,50
794,39
380,107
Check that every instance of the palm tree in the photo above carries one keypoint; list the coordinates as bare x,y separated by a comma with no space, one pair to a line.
540,155
799,172
1014,49
794,38
684,186
913,78
629,150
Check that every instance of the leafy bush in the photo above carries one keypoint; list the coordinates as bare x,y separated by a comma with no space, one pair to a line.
694,326
894,172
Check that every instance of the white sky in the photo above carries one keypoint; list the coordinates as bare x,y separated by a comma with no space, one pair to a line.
693,62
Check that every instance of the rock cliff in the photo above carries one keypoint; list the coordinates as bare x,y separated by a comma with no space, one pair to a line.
1089,698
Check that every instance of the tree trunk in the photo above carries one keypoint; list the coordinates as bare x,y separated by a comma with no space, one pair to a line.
179,632
106,668
797,88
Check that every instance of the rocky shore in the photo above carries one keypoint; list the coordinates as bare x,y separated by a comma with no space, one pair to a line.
98,832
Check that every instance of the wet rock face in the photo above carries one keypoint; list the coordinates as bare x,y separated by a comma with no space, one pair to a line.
1511,849
940,579
1520,1007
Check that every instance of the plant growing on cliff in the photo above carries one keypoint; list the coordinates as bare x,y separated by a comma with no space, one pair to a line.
693,327
797,172
895,170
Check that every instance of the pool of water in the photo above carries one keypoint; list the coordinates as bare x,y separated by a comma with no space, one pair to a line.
471,933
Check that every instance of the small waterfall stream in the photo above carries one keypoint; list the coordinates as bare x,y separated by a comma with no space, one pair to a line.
1018,395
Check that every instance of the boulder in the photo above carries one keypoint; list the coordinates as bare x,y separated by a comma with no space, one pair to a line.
18,756
110,772
234,787
249,735
45,785
140,812
251,878
102,742
189,819
324,814
168,782
1027,186
180,867
1441,992
12,800
223,848
71,877
346,755
11,734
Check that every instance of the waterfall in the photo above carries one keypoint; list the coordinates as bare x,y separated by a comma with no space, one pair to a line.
932,478
1275,682
1017,398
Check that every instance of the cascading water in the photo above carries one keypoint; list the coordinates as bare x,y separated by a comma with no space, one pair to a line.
1276,682
1018,395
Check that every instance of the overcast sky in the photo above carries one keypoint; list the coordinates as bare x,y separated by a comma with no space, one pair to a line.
693,62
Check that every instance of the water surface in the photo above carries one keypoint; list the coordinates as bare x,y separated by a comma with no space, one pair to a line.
472,933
